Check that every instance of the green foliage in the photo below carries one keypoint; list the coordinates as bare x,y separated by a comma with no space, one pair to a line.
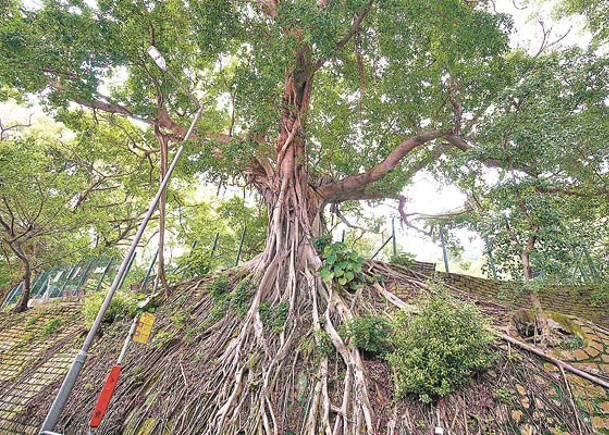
439,349
323,342
198,262
274,318
403,259
121,305
241,296
369,333
596,13
413,68
342,266
320,242
202,221
51,327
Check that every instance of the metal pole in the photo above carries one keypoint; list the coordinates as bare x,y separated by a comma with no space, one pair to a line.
444,249
8,297
35,284
108,389
49,287
489,252
240,246
68,383
99,284
381,248
149,271
127,271
84,275
68,278
395,248
215,245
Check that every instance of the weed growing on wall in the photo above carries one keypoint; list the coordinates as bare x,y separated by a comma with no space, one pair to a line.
121,305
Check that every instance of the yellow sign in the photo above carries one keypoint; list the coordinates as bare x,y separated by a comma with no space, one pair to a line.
144,327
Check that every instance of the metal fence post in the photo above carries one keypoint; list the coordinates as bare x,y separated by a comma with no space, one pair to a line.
68,278
99,284
39,280
12,294
215,245
149,271
84,275
124,277
381,248
444,248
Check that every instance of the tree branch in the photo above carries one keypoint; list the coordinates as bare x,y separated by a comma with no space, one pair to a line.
355,26
348,187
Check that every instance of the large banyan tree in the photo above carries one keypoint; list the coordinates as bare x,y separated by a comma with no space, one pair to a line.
312,102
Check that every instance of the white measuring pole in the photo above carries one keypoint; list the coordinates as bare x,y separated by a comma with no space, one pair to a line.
68,383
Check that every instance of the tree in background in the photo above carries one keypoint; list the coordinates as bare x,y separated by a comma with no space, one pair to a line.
217,228
547,200
62,199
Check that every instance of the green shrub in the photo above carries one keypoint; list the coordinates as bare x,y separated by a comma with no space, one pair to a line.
342,266
403,259
218,289
121,305
439,349
369,333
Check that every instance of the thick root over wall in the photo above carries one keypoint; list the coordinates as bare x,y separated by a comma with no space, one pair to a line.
222,368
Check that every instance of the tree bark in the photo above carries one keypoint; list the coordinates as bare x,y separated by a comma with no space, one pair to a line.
525,260
27,278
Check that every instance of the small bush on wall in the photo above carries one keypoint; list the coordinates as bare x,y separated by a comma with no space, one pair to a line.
439,349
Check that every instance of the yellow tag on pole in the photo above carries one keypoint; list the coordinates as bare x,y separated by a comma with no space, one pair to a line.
144,327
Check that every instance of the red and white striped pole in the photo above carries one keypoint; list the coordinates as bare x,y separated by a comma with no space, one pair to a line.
111,381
